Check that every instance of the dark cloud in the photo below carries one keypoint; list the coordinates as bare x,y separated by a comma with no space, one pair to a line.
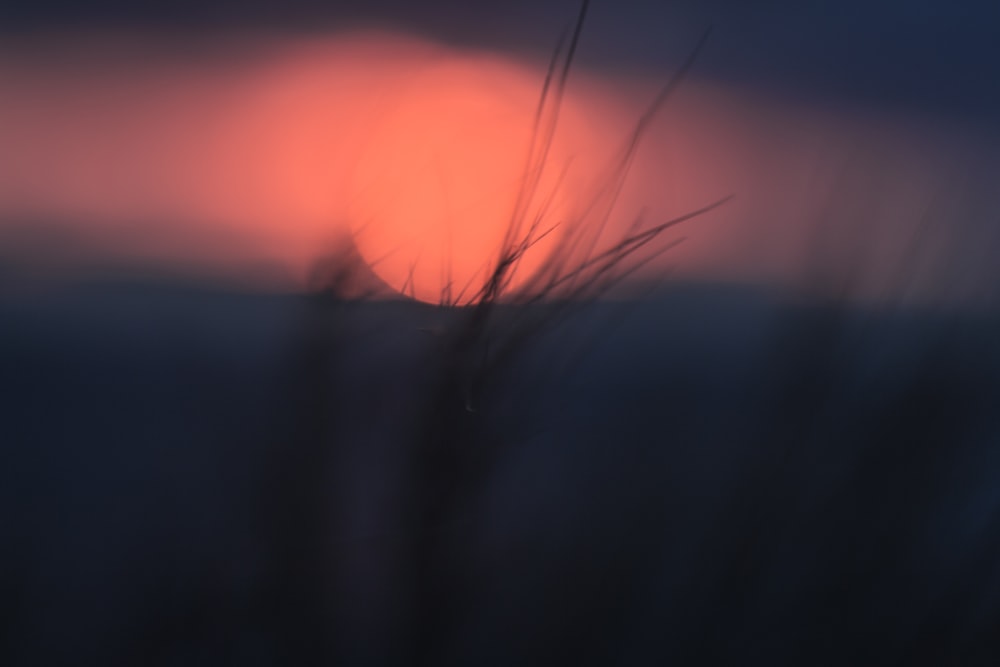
931,55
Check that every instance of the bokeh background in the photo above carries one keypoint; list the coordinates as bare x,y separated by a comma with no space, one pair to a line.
225,440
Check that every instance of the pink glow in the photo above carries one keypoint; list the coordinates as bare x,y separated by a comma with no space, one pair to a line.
251,150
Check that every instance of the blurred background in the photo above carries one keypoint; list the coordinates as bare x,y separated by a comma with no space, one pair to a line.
228,437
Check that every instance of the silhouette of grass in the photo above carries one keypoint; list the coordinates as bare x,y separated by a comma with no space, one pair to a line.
454,450
455,447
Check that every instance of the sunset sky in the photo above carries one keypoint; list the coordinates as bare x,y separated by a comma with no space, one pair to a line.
224,134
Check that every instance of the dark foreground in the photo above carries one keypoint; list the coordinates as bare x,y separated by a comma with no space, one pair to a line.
190,476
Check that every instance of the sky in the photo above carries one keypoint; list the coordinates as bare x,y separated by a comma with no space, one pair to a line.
147,125
926,53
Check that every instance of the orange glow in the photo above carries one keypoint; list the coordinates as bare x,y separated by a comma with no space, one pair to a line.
266,151
435,189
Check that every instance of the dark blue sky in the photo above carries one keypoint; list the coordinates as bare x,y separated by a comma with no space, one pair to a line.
926,55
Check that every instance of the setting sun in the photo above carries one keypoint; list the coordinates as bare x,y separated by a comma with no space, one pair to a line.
434,192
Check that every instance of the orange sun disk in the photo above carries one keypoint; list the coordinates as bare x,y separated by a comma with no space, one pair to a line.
434,192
